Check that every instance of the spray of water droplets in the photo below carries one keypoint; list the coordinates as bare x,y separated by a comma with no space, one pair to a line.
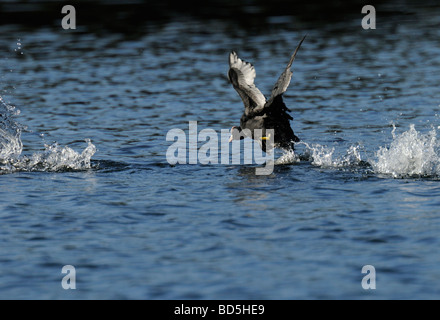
54,158
410,154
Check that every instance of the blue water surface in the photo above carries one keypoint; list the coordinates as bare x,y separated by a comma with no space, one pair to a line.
136,227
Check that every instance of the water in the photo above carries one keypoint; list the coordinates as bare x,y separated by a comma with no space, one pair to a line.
84,180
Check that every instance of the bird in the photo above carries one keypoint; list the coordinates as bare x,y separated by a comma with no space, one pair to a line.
260,113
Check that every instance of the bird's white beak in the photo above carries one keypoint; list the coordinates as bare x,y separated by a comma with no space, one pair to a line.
230,139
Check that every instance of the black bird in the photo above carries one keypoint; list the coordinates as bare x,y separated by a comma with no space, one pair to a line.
259,113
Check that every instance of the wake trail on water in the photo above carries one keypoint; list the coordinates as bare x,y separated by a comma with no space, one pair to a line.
53,159
410,154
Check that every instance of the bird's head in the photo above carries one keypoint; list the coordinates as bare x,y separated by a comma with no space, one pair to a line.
236,134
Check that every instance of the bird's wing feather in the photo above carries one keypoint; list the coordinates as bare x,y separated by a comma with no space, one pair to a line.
276,110
284,80
242,74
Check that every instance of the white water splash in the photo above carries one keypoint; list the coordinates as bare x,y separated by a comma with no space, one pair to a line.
411,153
288,157
54,158
10,132
323,156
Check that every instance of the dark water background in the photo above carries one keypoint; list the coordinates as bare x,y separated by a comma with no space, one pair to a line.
135,227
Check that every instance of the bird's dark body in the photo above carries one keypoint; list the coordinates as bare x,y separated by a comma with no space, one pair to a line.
274,116
278,119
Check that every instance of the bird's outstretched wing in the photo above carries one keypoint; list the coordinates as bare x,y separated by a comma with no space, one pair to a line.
242,74
284,80
277,114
